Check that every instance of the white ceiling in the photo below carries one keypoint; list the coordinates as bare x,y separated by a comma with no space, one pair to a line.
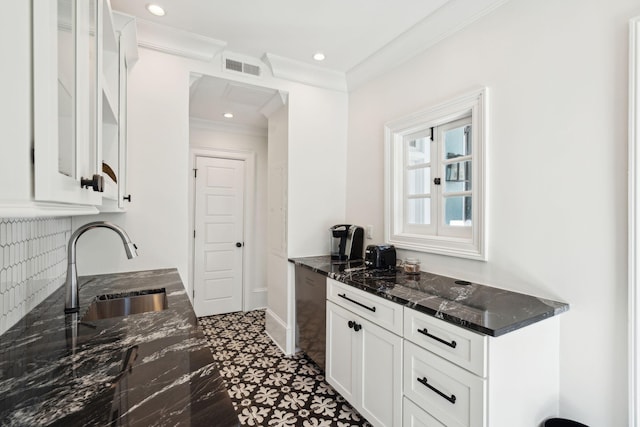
211,97
358,37
347,31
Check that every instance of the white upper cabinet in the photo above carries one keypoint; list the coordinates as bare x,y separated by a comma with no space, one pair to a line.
66,127
65,61
120,53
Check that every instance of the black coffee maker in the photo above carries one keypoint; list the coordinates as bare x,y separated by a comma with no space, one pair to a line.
347,242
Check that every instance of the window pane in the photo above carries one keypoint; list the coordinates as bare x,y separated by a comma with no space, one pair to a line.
418,151
457,142
419,211
418,181
458,177
457,211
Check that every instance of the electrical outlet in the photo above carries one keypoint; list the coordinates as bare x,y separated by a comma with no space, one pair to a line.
370,232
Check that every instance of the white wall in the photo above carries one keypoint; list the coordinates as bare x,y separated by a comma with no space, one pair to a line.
208,136
159,176
557,75
158,145
317,169
278,289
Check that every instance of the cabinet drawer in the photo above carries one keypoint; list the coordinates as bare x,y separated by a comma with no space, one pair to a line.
462,347
375,309
414,416
449,393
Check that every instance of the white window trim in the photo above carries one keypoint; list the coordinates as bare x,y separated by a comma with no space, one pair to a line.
474,247
634,222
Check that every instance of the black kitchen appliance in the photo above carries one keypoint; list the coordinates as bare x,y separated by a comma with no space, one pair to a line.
380,257
347,242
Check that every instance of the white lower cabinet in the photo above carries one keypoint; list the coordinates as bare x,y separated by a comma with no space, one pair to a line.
401,367
364,364
414,416
459,378
451,394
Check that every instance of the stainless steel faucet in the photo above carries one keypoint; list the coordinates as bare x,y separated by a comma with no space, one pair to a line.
72,304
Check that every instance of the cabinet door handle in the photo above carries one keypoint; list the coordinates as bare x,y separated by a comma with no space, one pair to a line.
356,302
425,331
425,382
357,327
96,183
351,323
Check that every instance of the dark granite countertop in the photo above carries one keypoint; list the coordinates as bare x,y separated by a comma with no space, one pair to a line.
480,308
150,369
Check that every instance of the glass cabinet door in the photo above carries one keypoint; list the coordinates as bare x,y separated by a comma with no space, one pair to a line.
66,90
86,88
65,52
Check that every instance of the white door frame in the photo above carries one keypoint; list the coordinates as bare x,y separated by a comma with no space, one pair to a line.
249,158
634,222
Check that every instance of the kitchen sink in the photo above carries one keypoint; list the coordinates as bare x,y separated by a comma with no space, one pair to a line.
125,304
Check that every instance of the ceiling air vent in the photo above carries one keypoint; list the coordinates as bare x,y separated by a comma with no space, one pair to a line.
241,67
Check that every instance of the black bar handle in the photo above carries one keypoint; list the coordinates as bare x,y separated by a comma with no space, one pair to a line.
425,331
425,382
356,302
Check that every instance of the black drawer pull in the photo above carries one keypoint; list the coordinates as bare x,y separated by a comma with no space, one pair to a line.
451,344
424,382
356,302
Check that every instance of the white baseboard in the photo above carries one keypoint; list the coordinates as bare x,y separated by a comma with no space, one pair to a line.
257,299
278,331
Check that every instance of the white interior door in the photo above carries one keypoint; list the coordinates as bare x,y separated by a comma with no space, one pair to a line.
219,234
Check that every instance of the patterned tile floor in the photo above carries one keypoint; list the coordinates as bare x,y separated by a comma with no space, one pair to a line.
268,388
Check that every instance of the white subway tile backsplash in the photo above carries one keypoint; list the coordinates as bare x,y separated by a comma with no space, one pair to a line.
33,262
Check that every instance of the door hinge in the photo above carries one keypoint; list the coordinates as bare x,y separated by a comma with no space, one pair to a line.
195,173
193,293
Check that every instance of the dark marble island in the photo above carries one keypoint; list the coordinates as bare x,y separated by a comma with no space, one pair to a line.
480,308
148,369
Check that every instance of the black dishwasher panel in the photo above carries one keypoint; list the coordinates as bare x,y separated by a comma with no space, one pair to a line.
311,294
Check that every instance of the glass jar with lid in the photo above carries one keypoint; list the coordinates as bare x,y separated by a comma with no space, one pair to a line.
412,266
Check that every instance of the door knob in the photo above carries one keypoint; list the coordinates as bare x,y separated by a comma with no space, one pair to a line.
351,323
238,245
357,327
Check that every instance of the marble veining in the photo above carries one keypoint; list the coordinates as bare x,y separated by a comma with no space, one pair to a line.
481,308
147,369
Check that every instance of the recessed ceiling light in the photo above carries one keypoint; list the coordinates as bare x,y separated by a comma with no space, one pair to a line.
228,115
154,9
318,56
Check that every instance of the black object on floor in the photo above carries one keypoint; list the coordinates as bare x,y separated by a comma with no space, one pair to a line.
266,387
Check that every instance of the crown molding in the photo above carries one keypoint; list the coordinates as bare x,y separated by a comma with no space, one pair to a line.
452,17
276,102
194,79
177,42
298,71
126,26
